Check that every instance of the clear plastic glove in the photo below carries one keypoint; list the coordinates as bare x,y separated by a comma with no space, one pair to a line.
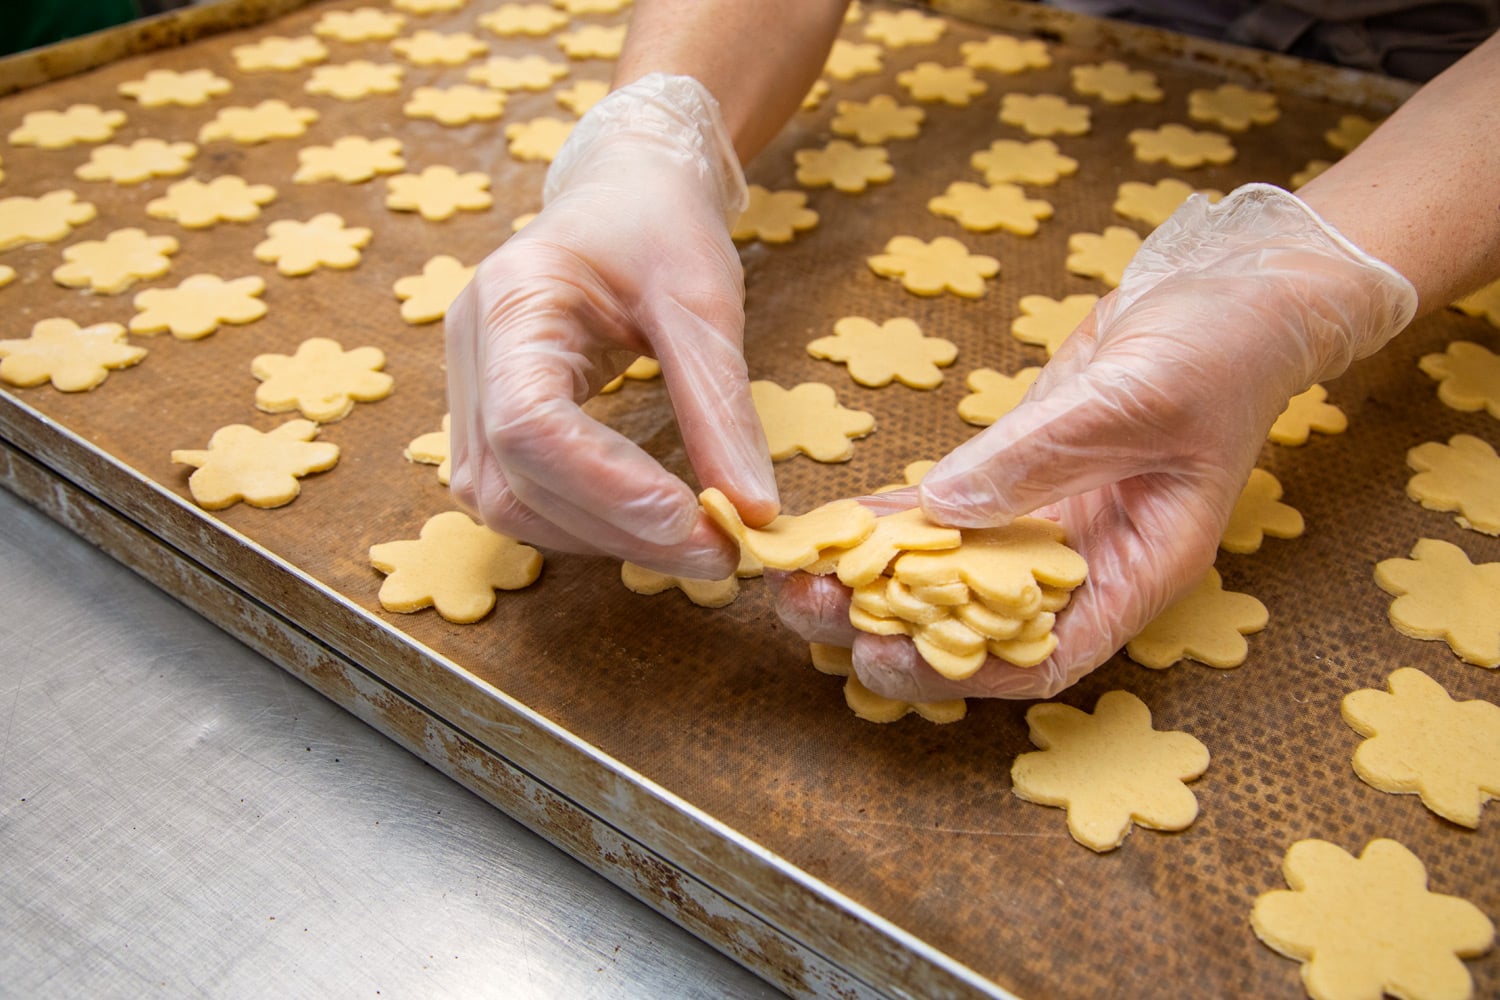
631,255
1140,433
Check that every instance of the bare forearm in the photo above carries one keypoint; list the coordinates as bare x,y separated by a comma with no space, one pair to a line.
758,57
1423,192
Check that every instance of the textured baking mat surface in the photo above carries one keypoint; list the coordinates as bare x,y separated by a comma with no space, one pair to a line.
916,822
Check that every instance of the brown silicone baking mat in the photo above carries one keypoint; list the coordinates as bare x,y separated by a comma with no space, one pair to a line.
913,824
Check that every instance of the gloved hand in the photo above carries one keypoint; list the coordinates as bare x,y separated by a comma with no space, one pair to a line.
631,255
1141,431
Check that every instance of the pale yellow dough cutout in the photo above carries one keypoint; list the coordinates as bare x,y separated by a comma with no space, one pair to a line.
593,41
436,48
531,72
930,81
1110,769
1044,114
261,469
993,394
194,204
161,87
267,120
434,448
46,219
1257,513
792,541
1153,204
362,24
1468,377
808,419
1233,107
351,160
901,28
1034,162
454,566
849,168
1369,926
352,81
1307,412
1103,255
1462,475
198,306
1349,132
1484,302
592,6
1006,54
439,192
1181,146
878,354
774,216
984,209
582,95
871,707
510,20
1047,322
73,359
137,162
1420,741
425,297
944,265
321,380
428,6
1313,169
877,120
847,60
113,264
298,248
60,129
1440,594
456,105
704,593
538,139
1116,83
1208,624
7,275
276,53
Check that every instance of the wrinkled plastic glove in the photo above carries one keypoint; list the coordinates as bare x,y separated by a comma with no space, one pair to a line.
1141,431
631,255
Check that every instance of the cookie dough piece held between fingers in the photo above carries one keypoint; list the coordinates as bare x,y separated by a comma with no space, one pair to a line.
792,542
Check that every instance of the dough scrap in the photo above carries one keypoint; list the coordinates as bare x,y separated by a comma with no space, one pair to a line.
1181,146
1114,82
847,60
1006,54
454,566
593,41
436,48
425,297
878,354
137,162
877,120
1485,302
262,469
838,661
993,394
704,593
1468,377
641,369
944,265
1367,927
808,419
985,209
434,448
1350,132
1440,594
276,53
1208,624
439,192
161,87
46,219
1257,513
582,96
60,129
538,139
1153,204
73,359
535,19
193,204
1044,114
849,168
321,380
930,81
1307,412
113,264
899,29
267,120
1110,769
362,24
302,247
1047,322
353,80
1035,162
1422,742
1233,107
792,541
1462,475
523,73
1307,173
198,306
428,6
351,159
1104,256
774,216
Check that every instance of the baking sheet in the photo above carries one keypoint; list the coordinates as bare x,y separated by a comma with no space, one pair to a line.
893,855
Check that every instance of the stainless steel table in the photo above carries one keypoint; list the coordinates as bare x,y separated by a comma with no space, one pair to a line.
180,817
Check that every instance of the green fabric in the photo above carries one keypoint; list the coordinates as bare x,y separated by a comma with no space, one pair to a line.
25,24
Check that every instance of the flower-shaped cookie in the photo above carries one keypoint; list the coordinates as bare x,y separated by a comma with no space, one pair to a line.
1468,376
538,139
72,359
1440,594
1109,770
1153,204
277,53
593,41
457,105
984,209
1257,513
911,475
582,95
455,566
321,380
847,167
1306,412
1006,567
434,448
1350,132
847,60
197,307
303,247
1233,107
1006,54
877,120
518,73
642,369
196,205
1313,169
1368,927
425,297
877,355
262,469
808,419
1115,83
165,86
363,24
774,216
428,6
993,394
866,704
930,81
511,19
41,220
1423,742
1180,146
792,541
944,265
1485,302
352,80
141,160
116,262
1208,625
352,160
1035,162
1044,114
592,6
59,129
439,192
1048,322
1103,256
704,593
898,29
267,120
904,531
1462,475
435,48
